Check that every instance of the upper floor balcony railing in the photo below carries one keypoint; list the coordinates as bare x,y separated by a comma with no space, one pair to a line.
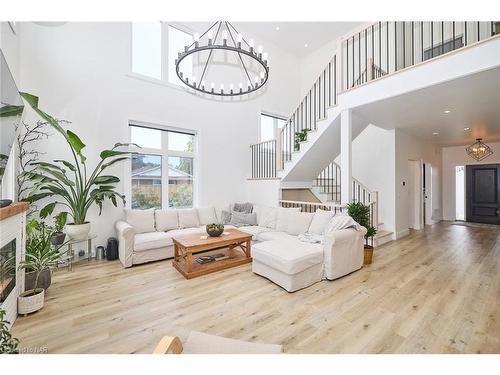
384,48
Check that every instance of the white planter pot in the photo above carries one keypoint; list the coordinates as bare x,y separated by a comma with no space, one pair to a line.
28,303
78,232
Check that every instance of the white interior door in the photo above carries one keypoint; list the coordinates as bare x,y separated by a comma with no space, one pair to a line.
415,195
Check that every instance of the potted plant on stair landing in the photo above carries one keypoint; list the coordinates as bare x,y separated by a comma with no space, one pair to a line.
75,187
41,256
361,214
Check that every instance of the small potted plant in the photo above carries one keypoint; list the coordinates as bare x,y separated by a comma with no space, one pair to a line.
40,258
58,236
8,344
361,214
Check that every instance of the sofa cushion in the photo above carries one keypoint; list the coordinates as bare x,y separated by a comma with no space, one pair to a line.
151,240
254,230
299,222
179,232
241,219
245,208
288,256
266,216
283,216
206,215
218,212
320,220
188,218
272,235
141,220
166,220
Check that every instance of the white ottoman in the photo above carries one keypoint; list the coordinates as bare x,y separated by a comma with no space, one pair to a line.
291,264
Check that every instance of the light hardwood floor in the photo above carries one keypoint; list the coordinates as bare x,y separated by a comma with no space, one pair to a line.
435,291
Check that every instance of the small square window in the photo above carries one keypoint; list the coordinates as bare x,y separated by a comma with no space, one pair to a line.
146,49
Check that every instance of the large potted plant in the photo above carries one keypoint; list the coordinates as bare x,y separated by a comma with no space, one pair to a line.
361,214
8,344
41,257
70,181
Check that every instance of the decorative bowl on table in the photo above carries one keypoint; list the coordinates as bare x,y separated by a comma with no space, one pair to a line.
214,230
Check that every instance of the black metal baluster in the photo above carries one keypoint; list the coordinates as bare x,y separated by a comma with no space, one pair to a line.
412,43
395,48
442,37
324,93
404,44
373,45
359,56
379,46
465,31
353,58
335,79
453,36
366,54
347,63
478,35
421,41
387,42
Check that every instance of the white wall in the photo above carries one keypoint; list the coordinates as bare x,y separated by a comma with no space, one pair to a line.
375,169
312,65
411,148
453,156
79,70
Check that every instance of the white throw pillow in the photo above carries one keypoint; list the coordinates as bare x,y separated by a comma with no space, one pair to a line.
341,221
206,215
320,221
267,217
299,223
188,218
166,220
143,221
283,216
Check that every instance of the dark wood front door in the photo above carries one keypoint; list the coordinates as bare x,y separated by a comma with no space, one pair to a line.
483,193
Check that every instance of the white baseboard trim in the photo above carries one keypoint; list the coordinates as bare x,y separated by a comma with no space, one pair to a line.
401,233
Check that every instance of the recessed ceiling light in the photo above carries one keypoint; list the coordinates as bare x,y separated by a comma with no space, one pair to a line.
277,28
435,133
465,129
447,111
306,45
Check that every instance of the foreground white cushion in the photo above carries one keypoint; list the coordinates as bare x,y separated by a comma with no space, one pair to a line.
166,220
188,218
299,223
289,256
206,215
141,220
283,217
202,343
319,221
152,240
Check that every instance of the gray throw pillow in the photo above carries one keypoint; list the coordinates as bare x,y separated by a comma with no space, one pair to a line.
239,219
226,217
243,207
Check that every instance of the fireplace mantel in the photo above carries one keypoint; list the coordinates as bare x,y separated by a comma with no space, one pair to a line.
13,209
12,227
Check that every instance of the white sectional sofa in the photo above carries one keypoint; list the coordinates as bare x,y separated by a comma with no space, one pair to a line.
279,250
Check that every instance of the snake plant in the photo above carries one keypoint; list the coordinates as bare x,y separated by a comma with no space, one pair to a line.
70,182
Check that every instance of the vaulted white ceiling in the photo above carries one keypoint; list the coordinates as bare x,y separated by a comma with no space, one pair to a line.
289,36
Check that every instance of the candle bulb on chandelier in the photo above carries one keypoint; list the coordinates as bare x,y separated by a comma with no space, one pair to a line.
251,44
203,84
264,57
222,88
241,87
196,40
239,38
249,86
256,81
212,87
231,88
224,37
210,37
262,76
194,81
259,50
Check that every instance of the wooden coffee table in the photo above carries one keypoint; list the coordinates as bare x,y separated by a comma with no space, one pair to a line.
234,244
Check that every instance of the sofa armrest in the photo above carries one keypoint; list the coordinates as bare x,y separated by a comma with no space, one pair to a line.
126,234
343,252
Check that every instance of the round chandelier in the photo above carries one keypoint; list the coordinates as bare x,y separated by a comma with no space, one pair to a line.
223,36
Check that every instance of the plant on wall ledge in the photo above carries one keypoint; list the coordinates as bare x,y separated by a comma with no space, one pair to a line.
70,182
300,136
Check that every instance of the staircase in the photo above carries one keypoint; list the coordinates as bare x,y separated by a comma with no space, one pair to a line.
308,144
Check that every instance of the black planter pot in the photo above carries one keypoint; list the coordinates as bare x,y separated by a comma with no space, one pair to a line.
57,238
44,280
